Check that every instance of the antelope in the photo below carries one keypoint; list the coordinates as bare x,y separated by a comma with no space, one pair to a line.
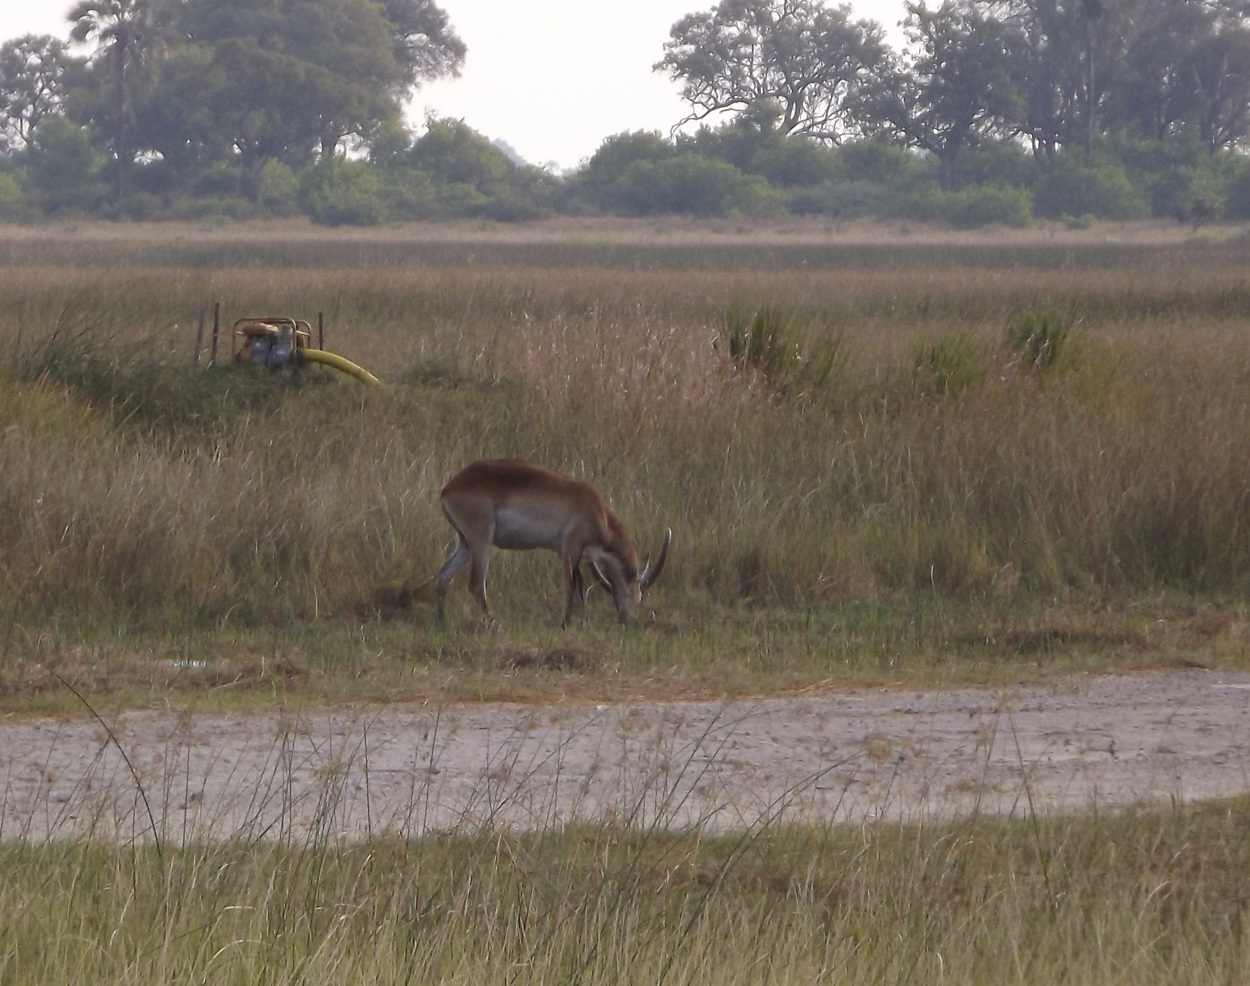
517,505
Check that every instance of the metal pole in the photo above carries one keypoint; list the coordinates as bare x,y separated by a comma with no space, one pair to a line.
212,359
199,339
321,330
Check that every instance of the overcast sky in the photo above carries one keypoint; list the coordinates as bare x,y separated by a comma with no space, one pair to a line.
549,77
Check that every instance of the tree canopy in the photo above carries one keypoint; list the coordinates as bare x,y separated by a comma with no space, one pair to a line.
808,58
33,71
190,83
990,111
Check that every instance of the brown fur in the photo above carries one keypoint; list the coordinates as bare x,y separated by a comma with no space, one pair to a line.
518,505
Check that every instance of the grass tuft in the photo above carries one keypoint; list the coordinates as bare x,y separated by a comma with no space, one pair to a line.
1040,340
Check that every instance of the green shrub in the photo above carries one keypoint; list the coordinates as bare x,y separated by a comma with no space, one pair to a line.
277,188
453,152
840,199
1072,189
338,192
771,341
692,184
1040,340
1237,192
990,205
877,161
13,203
764,340
511,206
948,366
137,385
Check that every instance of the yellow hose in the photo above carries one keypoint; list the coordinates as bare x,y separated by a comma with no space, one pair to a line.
339,363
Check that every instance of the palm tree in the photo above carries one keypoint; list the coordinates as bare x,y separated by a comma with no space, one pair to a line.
123,31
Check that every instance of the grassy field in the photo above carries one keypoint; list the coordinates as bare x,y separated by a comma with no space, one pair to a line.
1145,898
885,457
888,457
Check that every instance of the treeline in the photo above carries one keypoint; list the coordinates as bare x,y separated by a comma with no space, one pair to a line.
994,111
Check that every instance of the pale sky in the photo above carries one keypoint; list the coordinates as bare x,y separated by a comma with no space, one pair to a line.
552,78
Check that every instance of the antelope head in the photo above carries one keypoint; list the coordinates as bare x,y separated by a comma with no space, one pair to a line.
517,505
628,591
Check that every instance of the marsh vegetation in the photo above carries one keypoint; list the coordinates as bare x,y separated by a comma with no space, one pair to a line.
884,459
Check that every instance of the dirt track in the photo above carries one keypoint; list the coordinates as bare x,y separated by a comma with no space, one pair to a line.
849,756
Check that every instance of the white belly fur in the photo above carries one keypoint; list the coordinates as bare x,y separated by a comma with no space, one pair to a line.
523,529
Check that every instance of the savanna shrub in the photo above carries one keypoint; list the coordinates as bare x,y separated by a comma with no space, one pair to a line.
1072,189
948,366
338,192
1040,340
989,205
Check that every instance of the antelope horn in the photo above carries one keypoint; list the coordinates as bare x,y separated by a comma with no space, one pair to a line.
600,578
650,574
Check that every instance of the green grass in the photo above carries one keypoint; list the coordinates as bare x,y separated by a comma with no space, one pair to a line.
687,649
1147,897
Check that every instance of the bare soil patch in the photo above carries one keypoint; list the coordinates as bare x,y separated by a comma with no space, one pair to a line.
1068,745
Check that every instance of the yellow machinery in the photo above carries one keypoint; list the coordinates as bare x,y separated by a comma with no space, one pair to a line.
275,341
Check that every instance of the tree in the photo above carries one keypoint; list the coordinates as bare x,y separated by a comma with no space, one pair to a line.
426,45
619,151
290,79
32,82
752,143
453,152
1070,57
67,167
957,91
177,122
1221,71
1155,94
808,58
123,31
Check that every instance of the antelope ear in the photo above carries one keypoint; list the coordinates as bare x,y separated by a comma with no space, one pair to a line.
600,578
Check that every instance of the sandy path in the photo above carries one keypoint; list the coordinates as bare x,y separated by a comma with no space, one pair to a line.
847,756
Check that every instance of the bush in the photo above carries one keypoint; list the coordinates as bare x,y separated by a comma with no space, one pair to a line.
451,151
338,192
219,178
13,205
511,206
67,170
996,164
137,206
1193,195
215,208
764,340
797,162
1085,220
1071,189
1040,340
840,199
1237,192
277,188
454,200
769,340
948,367
871,160
986,205
692,184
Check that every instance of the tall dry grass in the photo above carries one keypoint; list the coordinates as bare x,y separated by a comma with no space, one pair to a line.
929,456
